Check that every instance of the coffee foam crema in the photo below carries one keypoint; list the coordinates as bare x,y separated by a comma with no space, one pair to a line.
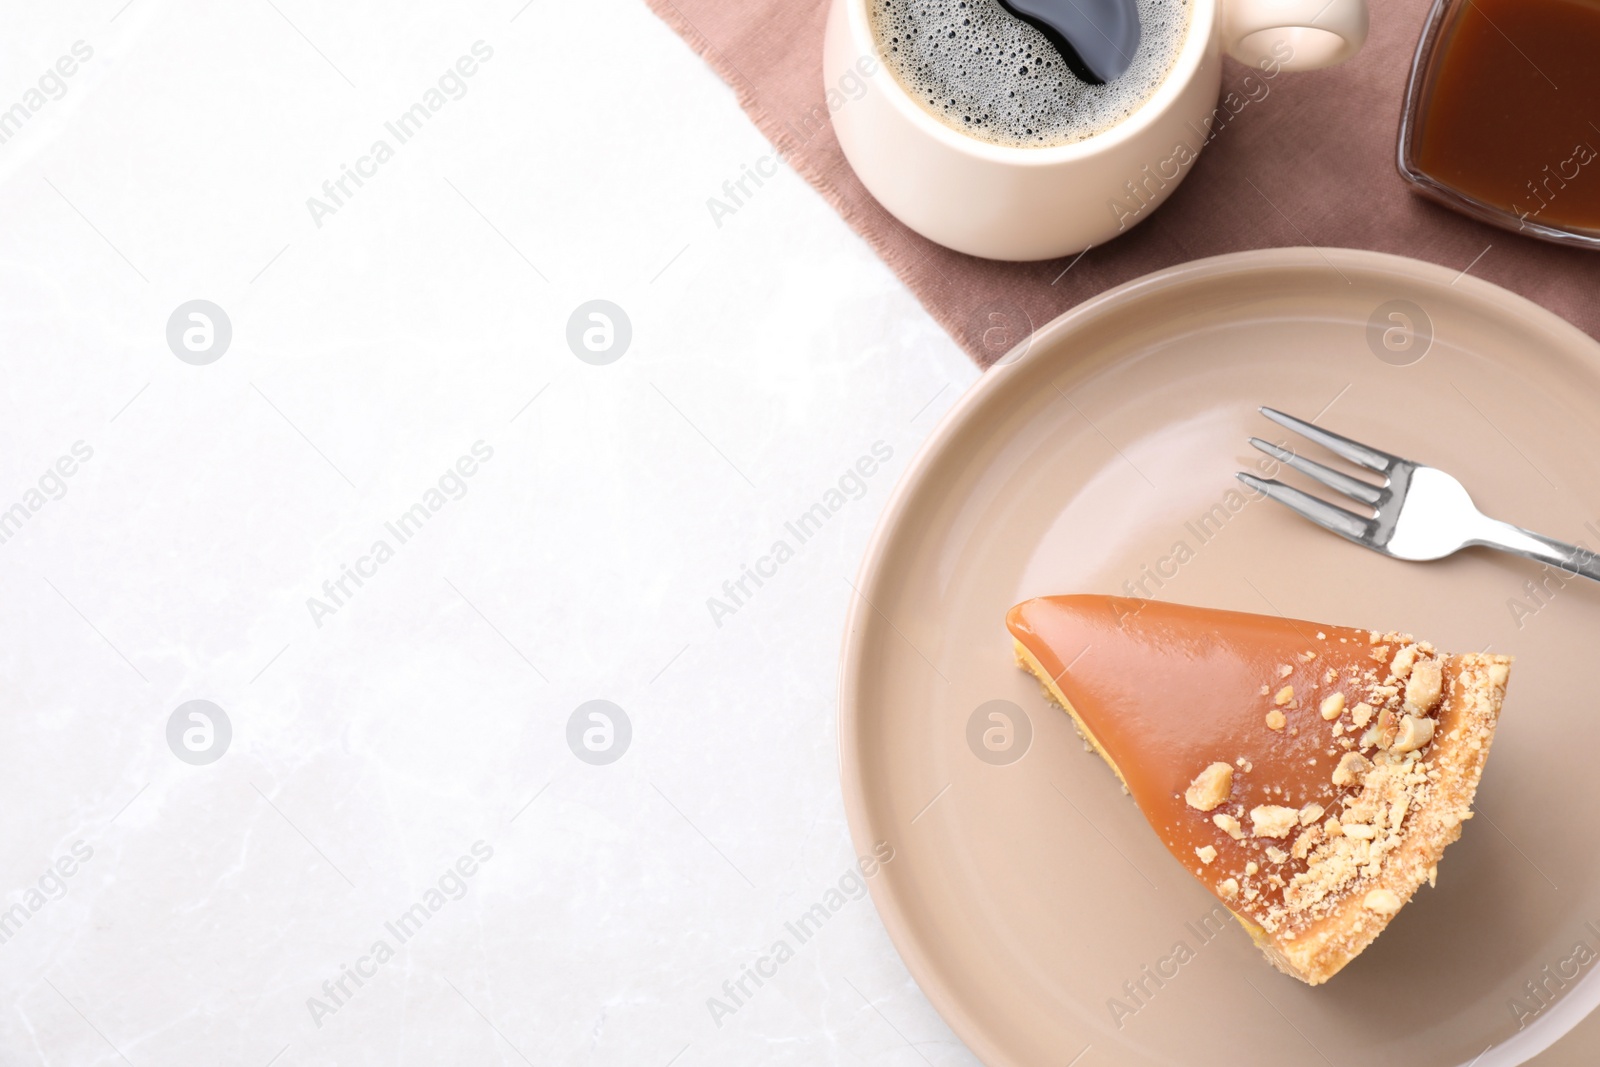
992,76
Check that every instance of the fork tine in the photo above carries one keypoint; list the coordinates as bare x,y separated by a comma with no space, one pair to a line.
1365,492
1354,451
1340,521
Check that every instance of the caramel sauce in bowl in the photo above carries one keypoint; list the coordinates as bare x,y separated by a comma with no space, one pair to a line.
1501,115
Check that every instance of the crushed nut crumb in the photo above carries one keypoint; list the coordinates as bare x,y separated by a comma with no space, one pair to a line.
1272,820
1306,842
1414,733
1210,787
1425,685
1228,825
1387,727
1382,901
1353,767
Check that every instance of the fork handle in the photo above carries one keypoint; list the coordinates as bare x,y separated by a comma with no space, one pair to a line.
1570,559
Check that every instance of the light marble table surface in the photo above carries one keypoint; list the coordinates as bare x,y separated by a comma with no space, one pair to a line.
375,513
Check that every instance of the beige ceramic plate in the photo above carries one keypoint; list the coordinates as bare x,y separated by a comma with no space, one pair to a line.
1030,899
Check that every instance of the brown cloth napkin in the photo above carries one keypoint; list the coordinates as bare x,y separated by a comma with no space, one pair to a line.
1311,163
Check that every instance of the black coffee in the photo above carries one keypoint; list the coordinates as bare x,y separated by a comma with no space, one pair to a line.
1097,38
996,77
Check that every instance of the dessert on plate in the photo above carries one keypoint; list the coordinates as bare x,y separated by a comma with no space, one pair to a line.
1309,775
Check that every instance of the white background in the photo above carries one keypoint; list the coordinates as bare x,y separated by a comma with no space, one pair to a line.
426,314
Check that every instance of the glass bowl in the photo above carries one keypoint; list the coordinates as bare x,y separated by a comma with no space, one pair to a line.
1500,116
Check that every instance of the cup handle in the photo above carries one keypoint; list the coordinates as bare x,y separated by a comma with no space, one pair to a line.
1293,34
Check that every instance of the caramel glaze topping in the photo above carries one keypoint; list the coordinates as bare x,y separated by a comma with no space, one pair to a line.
1167,691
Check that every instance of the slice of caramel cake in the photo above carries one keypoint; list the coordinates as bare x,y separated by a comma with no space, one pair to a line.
1309,775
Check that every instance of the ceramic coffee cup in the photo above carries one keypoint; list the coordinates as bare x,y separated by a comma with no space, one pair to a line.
1016,203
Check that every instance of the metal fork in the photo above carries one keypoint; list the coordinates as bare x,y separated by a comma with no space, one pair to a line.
1422,512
